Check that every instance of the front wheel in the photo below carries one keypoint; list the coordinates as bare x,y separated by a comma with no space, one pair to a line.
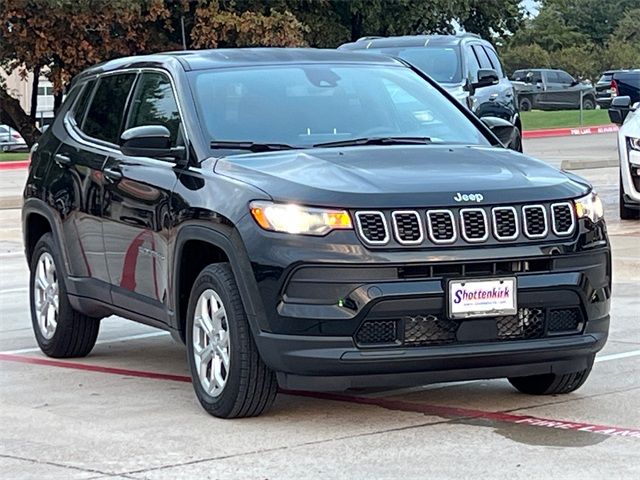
227,373
60,331
551,383
524,104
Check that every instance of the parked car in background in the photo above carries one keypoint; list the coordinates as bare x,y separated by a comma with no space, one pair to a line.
10,139
615,83
465,65
547,89
627,114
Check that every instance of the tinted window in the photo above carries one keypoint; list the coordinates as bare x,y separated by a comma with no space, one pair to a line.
440,63
80,107
155,104
482,57
564,77
308,104
495,62
472,63
606,78
104,117
552,77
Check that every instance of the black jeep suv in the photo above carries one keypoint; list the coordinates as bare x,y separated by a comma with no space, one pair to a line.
313,219
465,65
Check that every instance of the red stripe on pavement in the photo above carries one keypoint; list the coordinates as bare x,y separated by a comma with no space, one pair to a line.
14,165
562,132
389,404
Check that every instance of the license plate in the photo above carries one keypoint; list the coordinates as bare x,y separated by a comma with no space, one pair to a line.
482,298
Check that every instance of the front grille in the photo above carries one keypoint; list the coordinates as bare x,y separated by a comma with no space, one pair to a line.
505,223
562,218
373,227
429,330
564,320
442,228
377,332
474,224
535,221
407,226
527,323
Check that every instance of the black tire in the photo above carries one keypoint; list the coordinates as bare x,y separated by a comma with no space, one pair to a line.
626,213
551,383
75,333
588,104
524,104
516,143
250,387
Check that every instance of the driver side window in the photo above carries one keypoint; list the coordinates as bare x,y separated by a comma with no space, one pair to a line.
155,104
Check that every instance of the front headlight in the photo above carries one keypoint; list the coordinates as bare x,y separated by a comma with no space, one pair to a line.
634,143
290,218
590,207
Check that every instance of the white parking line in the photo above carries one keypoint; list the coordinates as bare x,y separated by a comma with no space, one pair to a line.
112,340
14,290
616,356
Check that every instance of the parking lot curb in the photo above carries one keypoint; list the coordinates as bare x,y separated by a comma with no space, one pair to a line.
564,132
587,164
14,165
10,202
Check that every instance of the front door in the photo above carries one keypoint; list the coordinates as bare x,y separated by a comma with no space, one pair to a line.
137,213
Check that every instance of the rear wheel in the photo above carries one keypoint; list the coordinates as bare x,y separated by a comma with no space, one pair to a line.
228,375
60,330
524,104
588,104
626,213
551,383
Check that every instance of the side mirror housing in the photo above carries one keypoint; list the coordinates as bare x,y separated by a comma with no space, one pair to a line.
147,141
504,130
619,109
486,77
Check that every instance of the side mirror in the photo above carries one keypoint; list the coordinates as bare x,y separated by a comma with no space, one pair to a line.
619,109
486,77
147,141
504,130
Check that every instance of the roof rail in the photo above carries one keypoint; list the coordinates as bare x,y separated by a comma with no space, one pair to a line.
469,34
364,39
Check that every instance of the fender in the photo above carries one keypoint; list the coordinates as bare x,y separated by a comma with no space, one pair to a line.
228,240
35,205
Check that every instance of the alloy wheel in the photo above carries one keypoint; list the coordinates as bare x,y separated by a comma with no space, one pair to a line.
46,295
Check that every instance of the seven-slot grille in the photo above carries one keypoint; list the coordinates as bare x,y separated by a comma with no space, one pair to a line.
562,218
407,227
472,224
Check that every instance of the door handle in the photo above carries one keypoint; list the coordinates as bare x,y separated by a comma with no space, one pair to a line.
62,159
112,173
493,96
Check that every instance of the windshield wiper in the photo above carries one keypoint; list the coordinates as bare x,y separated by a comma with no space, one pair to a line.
377,141
251,146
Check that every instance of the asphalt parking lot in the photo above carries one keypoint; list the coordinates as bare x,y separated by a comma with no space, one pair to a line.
128,411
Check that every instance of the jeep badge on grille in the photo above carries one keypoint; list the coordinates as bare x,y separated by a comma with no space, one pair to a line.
468,197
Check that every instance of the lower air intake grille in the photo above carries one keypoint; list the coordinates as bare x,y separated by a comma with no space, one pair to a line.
376,332
527,323
429,330
564,320
373,227
562,214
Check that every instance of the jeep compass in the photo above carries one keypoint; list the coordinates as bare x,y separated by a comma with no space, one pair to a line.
309,219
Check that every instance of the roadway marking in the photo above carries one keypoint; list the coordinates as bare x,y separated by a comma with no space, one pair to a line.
15,290
454,413
617,356
103,342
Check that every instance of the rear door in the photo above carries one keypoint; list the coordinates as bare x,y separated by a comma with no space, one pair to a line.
137,194
555,91
503,91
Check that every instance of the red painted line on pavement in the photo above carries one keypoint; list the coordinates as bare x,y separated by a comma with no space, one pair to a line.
389,404
562,132
14,165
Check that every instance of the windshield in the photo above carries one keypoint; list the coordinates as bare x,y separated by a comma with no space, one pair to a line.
304,105
440,63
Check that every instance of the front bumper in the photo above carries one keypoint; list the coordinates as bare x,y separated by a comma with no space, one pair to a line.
311,311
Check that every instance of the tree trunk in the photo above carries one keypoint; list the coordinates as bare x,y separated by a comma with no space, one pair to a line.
57,102
10,107
34,93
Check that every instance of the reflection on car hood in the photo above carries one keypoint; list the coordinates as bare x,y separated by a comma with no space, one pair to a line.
400,176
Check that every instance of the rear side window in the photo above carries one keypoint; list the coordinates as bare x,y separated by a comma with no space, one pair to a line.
104,116
80,107
495,62
155,104
606,78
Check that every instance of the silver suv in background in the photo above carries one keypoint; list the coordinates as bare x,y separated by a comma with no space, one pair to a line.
10,139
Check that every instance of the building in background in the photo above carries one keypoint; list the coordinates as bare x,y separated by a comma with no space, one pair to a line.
20,87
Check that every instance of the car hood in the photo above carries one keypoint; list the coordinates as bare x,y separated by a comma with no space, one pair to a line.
400,176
